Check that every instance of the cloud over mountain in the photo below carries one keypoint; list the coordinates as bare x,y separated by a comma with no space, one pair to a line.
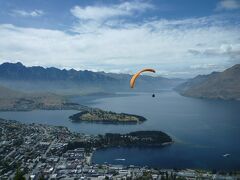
124,37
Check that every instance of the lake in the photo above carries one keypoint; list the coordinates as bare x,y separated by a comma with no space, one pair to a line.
203,130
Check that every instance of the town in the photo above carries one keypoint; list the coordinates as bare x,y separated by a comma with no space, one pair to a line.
36,151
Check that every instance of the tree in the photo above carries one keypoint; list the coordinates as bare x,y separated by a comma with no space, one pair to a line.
41,177
19,175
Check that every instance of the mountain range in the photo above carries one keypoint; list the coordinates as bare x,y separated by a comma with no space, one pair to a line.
37,79
62,81
217,85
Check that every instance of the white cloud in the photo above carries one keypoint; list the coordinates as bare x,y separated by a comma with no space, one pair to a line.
23,13
228,5
229,50
100,13
96,13
173,47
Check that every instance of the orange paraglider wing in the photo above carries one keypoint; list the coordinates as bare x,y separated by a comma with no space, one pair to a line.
135,76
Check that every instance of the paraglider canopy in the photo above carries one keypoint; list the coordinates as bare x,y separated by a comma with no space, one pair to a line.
135,76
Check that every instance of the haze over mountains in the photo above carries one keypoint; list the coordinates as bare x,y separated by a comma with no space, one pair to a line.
217,85
38,79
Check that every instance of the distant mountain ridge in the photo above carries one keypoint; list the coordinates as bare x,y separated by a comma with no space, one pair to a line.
217,85
17,71
37,78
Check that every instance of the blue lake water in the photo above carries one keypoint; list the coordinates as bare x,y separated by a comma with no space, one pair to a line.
203,130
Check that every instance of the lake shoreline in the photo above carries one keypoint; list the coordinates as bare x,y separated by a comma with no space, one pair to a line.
198,123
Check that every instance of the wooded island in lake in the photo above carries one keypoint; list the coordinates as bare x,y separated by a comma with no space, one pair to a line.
97,115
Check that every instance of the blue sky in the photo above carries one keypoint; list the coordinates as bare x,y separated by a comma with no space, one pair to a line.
179,38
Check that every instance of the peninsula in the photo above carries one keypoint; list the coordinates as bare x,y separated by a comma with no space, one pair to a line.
139,139
98,115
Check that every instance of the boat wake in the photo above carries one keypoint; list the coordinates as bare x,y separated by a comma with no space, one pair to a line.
120,159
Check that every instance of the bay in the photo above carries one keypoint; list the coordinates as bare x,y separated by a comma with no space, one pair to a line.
203,130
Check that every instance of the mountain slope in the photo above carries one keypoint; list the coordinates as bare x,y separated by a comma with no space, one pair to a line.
11,100
7,93
217,85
